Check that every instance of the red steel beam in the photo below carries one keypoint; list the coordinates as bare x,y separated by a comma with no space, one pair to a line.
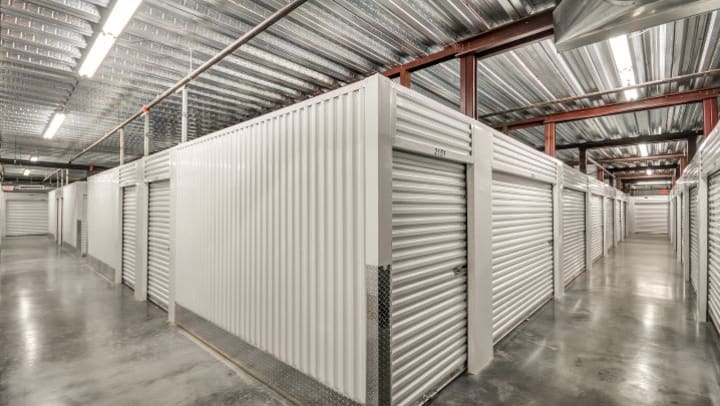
673,99
710,115
500,39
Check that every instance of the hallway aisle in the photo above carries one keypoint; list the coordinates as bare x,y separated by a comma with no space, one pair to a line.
624,334
68,337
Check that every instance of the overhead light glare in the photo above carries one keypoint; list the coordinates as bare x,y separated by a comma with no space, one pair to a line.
649,172
54,126
120,16
26,172
97,54
118,19
623,63
643,149
33,159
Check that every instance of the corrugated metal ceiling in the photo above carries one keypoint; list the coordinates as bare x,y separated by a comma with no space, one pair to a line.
322,45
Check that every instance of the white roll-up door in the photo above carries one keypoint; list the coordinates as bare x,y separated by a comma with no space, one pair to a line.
429,279
651,216
573,251
158,261
522,263
26,217
714,250
129,234
84,228
596,244
694,241
609,223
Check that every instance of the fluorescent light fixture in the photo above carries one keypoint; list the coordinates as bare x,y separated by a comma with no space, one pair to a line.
97,54
54,125
623,62
33,159
119,17
643,149
26,172
649,171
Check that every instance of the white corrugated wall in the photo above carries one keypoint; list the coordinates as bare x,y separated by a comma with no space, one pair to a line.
270,242
103,217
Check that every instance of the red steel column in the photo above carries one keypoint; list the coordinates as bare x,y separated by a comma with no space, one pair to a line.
550,139
405,78
600,174
710,115
468,85
583,160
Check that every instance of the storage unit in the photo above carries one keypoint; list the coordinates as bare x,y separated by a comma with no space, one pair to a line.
694,249
609,223
650,214
522,234
129,235
574,215
26,214
714,249
158,263
596,224
309,215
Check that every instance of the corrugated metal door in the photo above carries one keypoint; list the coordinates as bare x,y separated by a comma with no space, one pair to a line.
609,223
651,216
596,203
429,285
158,261
522,233
694,252
714,250
26,217
617,214
129,233
573,234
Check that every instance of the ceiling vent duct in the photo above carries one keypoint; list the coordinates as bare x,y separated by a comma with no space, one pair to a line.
580,23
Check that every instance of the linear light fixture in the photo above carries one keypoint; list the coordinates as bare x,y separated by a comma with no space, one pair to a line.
33,159
54,125
119,17
623,62
26,172
643,149
649,172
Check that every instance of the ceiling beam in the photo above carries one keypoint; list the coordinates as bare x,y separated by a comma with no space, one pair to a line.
644,168
674,99
646,176
641,139
641,158
500,39
46,164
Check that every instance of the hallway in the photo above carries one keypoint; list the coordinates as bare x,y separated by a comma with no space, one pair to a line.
68,337
624,334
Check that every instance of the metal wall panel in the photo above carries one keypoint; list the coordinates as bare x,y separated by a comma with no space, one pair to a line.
513,157
72,212
158,261
26,217
522,237
650,214
103,214
573,232
52,213
128,174
270,234
617,218
574,179
609,227
596,243
84,229
157,166
426,125
714,250
129,235
694,237
429,279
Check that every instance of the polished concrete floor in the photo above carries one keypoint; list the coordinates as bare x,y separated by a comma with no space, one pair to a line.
624,334
68,337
